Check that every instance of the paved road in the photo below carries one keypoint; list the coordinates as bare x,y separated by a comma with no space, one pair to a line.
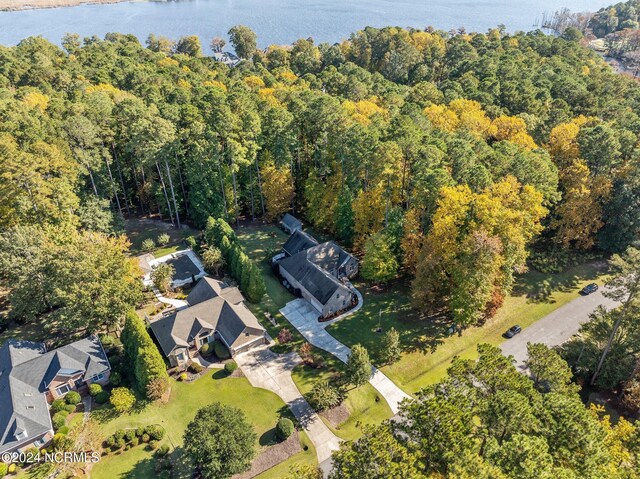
557,327
305,319
268,370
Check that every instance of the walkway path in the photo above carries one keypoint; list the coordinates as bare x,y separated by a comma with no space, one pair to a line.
557,327
304,318
176,303
86,402
268,370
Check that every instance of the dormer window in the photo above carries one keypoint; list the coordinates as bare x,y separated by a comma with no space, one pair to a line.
21,435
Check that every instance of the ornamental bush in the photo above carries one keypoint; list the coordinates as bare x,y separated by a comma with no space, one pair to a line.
195,368
102,397
94,389
63,430
154,431
284,428
221,350
58,405
73,397
69,408
4,469
230,367
324,396
115,378
59,419
122,400
163,239
205,349
148,244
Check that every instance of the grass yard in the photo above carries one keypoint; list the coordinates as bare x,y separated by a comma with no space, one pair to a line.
140,229
260,243
364,404
305,457
428,349
186,399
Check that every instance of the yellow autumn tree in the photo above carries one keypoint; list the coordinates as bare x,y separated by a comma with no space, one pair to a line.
513,129
37,100
277,189
476,243
368,210
579,215
322,199
412,239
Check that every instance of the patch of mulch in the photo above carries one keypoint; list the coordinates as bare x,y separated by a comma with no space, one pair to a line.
336,415
272,456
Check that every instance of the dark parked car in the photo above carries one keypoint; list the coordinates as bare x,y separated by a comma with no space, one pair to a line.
588,289
512,331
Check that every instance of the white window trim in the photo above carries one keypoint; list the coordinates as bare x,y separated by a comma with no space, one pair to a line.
97,377
59,393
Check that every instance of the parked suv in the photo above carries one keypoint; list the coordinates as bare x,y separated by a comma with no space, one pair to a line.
588,289
512,331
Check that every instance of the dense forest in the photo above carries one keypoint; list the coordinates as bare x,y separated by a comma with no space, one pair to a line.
445,157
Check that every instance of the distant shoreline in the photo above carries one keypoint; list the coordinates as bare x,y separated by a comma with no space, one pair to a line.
17,5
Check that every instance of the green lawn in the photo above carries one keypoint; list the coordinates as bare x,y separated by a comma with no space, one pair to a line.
427,348
186,399
260,243
140,229
305,457
365,405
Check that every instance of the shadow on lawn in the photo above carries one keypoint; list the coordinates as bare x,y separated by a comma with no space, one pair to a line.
539,287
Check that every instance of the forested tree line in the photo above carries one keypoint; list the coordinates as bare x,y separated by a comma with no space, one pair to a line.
442,156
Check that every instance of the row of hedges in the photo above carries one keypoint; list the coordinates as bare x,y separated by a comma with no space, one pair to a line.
247,274
126,438
140,351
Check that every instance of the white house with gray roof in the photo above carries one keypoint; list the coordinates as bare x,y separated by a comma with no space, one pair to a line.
31,378
215,311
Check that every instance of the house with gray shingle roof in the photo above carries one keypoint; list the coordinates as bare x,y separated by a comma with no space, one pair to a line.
290,223
215,311
317,271
31,377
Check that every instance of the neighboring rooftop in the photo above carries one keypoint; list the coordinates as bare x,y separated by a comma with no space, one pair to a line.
320,284
298,241
26,370
291,223
213,306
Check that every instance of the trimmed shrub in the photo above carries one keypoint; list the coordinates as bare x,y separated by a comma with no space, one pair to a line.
69,408
119,434
102,397
148,244
111,441
230,367
323,396
139,431
155,432
63,430
284,336
135,441
107,340
221,350
163,450
195,368
59,419
183,377
4,469
115,378
191,241
284,428
153,444
205,349
129,435
94,389
145,437
13,468
58,405
122,400
163,239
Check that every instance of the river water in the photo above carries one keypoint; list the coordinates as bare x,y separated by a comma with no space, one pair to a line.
277,21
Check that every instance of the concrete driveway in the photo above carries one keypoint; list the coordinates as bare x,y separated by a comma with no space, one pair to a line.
304,318
557,327
268,370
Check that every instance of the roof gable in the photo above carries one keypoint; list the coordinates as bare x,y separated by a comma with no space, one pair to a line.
299,241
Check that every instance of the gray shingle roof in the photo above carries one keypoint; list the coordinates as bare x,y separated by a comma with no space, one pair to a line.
291,222
216,307
26,370
320,284
298,241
